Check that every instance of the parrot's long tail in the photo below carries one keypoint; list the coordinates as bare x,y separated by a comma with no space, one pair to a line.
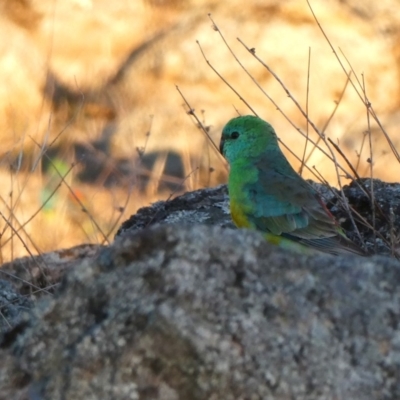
335,245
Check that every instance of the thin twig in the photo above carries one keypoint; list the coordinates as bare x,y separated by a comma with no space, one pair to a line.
359,153
307,125
371,163
200,125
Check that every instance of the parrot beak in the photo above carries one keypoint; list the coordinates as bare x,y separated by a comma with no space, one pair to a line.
221,146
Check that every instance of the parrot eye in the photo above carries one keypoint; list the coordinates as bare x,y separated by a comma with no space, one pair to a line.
234,135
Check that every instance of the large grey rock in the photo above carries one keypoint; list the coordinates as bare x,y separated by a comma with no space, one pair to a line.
193,312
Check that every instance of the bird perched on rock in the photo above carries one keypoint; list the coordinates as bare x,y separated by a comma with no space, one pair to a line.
266,193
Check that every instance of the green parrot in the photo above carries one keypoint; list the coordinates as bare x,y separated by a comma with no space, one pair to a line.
266,193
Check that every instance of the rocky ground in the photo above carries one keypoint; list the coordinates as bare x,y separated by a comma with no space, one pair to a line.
184,306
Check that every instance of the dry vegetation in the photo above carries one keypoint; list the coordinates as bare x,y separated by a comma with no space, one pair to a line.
92,127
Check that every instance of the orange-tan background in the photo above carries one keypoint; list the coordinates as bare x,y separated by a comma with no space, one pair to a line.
89,85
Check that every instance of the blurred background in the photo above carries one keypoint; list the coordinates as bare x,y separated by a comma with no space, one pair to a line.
92,126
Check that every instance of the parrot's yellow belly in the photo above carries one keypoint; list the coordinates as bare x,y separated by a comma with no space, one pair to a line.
238,216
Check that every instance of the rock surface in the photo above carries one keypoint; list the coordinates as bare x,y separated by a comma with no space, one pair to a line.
178,312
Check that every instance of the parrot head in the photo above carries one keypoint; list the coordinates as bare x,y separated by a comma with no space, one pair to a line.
246,136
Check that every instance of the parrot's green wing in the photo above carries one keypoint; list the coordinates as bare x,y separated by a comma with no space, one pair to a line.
288,206
284,205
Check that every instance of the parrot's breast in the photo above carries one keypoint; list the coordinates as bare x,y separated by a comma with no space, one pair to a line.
242,175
